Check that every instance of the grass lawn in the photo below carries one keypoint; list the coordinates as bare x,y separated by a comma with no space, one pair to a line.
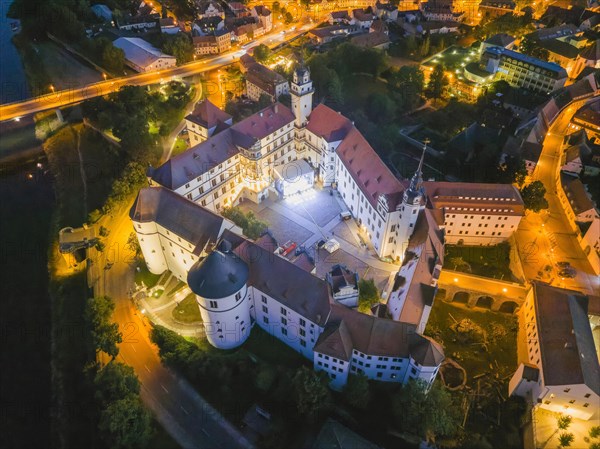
143,275
101,165
489,356
187,310
180,146
271,350
362,86
488,261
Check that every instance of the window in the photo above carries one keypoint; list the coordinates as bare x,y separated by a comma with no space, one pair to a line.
380,374
566,390
302,322
283,321
586,404
263,299
265,309
238,296
587,395
213,304
283,331
283,311
303,343
302,332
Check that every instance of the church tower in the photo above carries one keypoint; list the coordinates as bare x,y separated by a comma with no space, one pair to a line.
412,202
302,92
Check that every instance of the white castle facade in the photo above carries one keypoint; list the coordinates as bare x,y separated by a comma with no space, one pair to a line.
239,284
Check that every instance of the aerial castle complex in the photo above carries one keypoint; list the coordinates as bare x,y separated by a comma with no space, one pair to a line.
239,284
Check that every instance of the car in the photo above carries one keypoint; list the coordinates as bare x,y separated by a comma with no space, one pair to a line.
567,273
320,243
331,246
563,264
345,215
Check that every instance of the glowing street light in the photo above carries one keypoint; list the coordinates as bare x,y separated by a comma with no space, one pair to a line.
52,88
104,75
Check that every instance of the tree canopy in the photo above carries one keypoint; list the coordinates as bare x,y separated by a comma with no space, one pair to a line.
368,295
428,414
105,333
115,381
534,196
437,83
312,393
125,423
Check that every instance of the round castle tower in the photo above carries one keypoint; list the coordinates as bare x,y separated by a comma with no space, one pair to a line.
219,282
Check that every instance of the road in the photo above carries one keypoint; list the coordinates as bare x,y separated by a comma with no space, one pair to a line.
547,238
62,98
177,406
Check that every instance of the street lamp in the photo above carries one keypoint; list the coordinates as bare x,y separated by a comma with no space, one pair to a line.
52,88
104,75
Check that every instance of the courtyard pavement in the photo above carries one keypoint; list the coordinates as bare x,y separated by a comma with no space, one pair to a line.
313,216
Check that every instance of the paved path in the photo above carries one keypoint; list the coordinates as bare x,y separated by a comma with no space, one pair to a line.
546,238
325,233
188,418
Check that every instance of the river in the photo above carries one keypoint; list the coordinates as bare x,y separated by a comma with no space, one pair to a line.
26,207
13,85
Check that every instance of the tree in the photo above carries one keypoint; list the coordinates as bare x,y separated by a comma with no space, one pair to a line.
115,381
409,81
460,264
380,107
133,245
125,423
357,392
105,334
533,196
264,100
564,421
261,53
368,295
288,17
532,48
425,46
112,58
594,432
311,392
276,7
426,414
511,171
437,82
565,439
178,45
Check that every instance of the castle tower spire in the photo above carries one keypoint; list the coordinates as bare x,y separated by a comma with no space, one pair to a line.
414,193
301,92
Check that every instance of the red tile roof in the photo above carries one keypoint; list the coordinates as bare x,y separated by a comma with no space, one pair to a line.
326,123
207,114
369,172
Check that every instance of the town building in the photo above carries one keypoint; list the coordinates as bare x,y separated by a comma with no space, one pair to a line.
264,16
362,18
205,121
239,284
209,8
588,118
169,25
262,80
386,11
146,17
212,44
562,373
339,17
474,213
580,207
141,56
344,285
496,8
378,40
520,70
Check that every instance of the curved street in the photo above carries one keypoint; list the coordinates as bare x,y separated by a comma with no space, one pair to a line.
188,418
547,238
62,98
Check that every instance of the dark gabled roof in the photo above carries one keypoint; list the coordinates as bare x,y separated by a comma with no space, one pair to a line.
218,275
566,341
196,161
335,341
591,53
182,217
207,114
265,78
340,276
500,40
576,194
334,435
281,279
482,195
560,48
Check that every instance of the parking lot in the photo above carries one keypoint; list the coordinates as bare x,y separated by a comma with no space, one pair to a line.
315,216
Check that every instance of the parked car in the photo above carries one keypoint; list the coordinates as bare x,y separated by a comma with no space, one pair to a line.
567,273
563,264
320,244
345,215
331,246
